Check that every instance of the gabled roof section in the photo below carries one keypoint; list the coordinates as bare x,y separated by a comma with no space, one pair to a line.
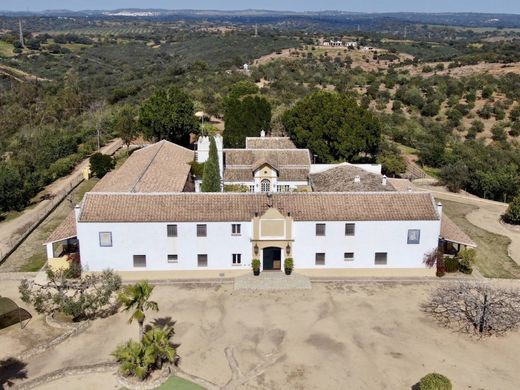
226,207
66,229
452,233
342,179
269,143
261,163
161,167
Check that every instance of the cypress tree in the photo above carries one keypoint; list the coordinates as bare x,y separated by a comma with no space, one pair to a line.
211,176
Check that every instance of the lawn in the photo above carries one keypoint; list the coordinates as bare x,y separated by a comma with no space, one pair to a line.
176,383
493,260
6,49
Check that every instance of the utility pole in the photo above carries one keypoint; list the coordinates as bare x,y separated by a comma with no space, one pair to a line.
21,33
256,30
405,32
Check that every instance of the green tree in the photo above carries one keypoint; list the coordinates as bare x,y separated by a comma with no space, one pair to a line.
512,214
434,381
134,359
158,342
455,176
211,177
333,126
168,114
125,125
12,194
136,297
245,117
101,164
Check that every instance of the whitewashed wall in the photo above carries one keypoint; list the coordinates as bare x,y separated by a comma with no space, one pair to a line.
151,239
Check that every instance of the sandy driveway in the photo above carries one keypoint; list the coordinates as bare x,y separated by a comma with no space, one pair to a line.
335,336
12,229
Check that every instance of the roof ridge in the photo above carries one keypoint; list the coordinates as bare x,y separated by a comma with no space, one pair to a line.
132,188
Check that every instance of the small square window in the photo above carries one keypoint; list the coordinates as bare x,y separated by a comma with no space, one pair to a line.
380,258
350,229
105,239
320,229
173,259
236,229
202,230
348,256
320,258
172,230
414,236
237,258
202,260
140,261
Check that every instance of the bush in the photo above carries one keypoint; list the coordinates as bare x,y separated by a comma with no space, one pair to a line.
466,258
255,264
451,264
288,263
512,214
101,164
434,381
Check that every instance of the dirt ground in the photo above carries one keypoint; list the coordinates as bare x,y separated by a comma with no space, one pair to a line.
335,336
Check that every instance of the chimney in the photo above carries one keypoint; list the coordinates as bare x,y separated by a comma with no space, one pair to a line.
262,133
357,179
77,211
384,180
439,209
409,189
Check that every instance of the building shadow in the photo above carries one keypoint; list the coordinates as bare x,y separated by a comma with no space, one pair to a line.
11,369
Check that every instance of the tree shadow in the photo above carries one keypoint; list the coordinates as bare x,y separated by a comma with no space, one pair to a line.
416,386
11,369
163,322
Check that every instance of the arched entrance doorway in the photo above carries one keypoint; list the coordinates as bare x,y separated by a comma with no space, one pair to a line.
272,259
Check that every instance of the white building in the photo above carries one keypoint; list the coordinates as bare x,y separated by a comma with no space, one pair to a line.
146,216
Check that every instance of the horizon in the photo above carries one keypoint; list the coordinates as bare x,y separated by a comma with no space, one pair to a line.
375,6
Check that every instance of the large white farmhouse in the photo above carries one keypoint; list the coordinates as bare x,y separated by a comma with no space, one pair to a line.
146,215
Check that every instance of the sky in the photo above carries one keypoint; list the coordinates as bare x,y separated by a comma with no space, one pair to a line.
493,6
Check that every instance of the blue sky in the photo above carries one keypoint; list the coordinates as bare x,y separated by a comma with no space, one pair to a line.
494,6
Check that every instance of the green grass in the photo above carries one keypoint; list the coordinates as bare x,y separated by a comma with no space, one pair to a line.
6,49
176,383
492,260
83,188
35,262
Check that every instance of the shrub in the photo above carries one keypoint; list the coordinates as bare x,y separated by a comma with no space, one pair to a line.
288,263
512,214
451,264
255,264
434,381
101,164
466,258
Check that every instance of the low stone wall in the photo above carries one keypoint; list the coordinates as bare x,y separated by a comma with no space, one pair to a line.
157,379
70,330
64,372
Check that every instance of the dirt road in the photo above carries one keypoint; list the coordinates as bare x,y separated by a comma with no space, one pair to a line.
11,230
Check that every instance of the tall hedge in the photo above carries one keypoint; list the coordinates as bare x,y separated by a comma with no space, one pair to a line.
211,180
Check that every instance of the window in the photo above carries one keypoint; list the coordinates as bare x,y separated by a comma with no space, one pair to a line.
350,229
380,258
251,188
202,230
283,188
320,229
348,256
140,261
173,259
171,230
236,229
265,185
320,258
202,260
105,239
237,258
414,236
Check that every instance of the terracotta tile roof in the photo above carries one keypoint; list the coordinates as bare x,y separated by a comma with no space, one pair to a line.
341,179
161,167
292,164
269,143
66,229
214,207
452,233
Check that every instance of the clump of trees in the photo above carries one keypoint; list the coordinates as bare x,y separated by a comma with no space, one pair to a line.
168,114
334,127
512,214
211,180
101,164
479,308
81,298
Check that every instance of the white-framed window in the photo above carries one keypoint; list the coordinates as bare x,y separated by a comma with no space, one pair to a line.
171,230
202,230
381,258
320,259
252,188
265,185
348,256
414,236
105,239
173,259
350,229
140,261
236,258
320,229
202,260
283,188
236,229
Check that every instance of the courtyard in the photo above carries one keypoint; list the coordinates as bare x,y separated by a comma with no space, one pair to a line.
363,335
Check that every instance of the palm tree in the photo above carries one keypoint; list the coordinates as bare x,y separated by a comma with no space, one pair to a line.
158,342
136,297
134,359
